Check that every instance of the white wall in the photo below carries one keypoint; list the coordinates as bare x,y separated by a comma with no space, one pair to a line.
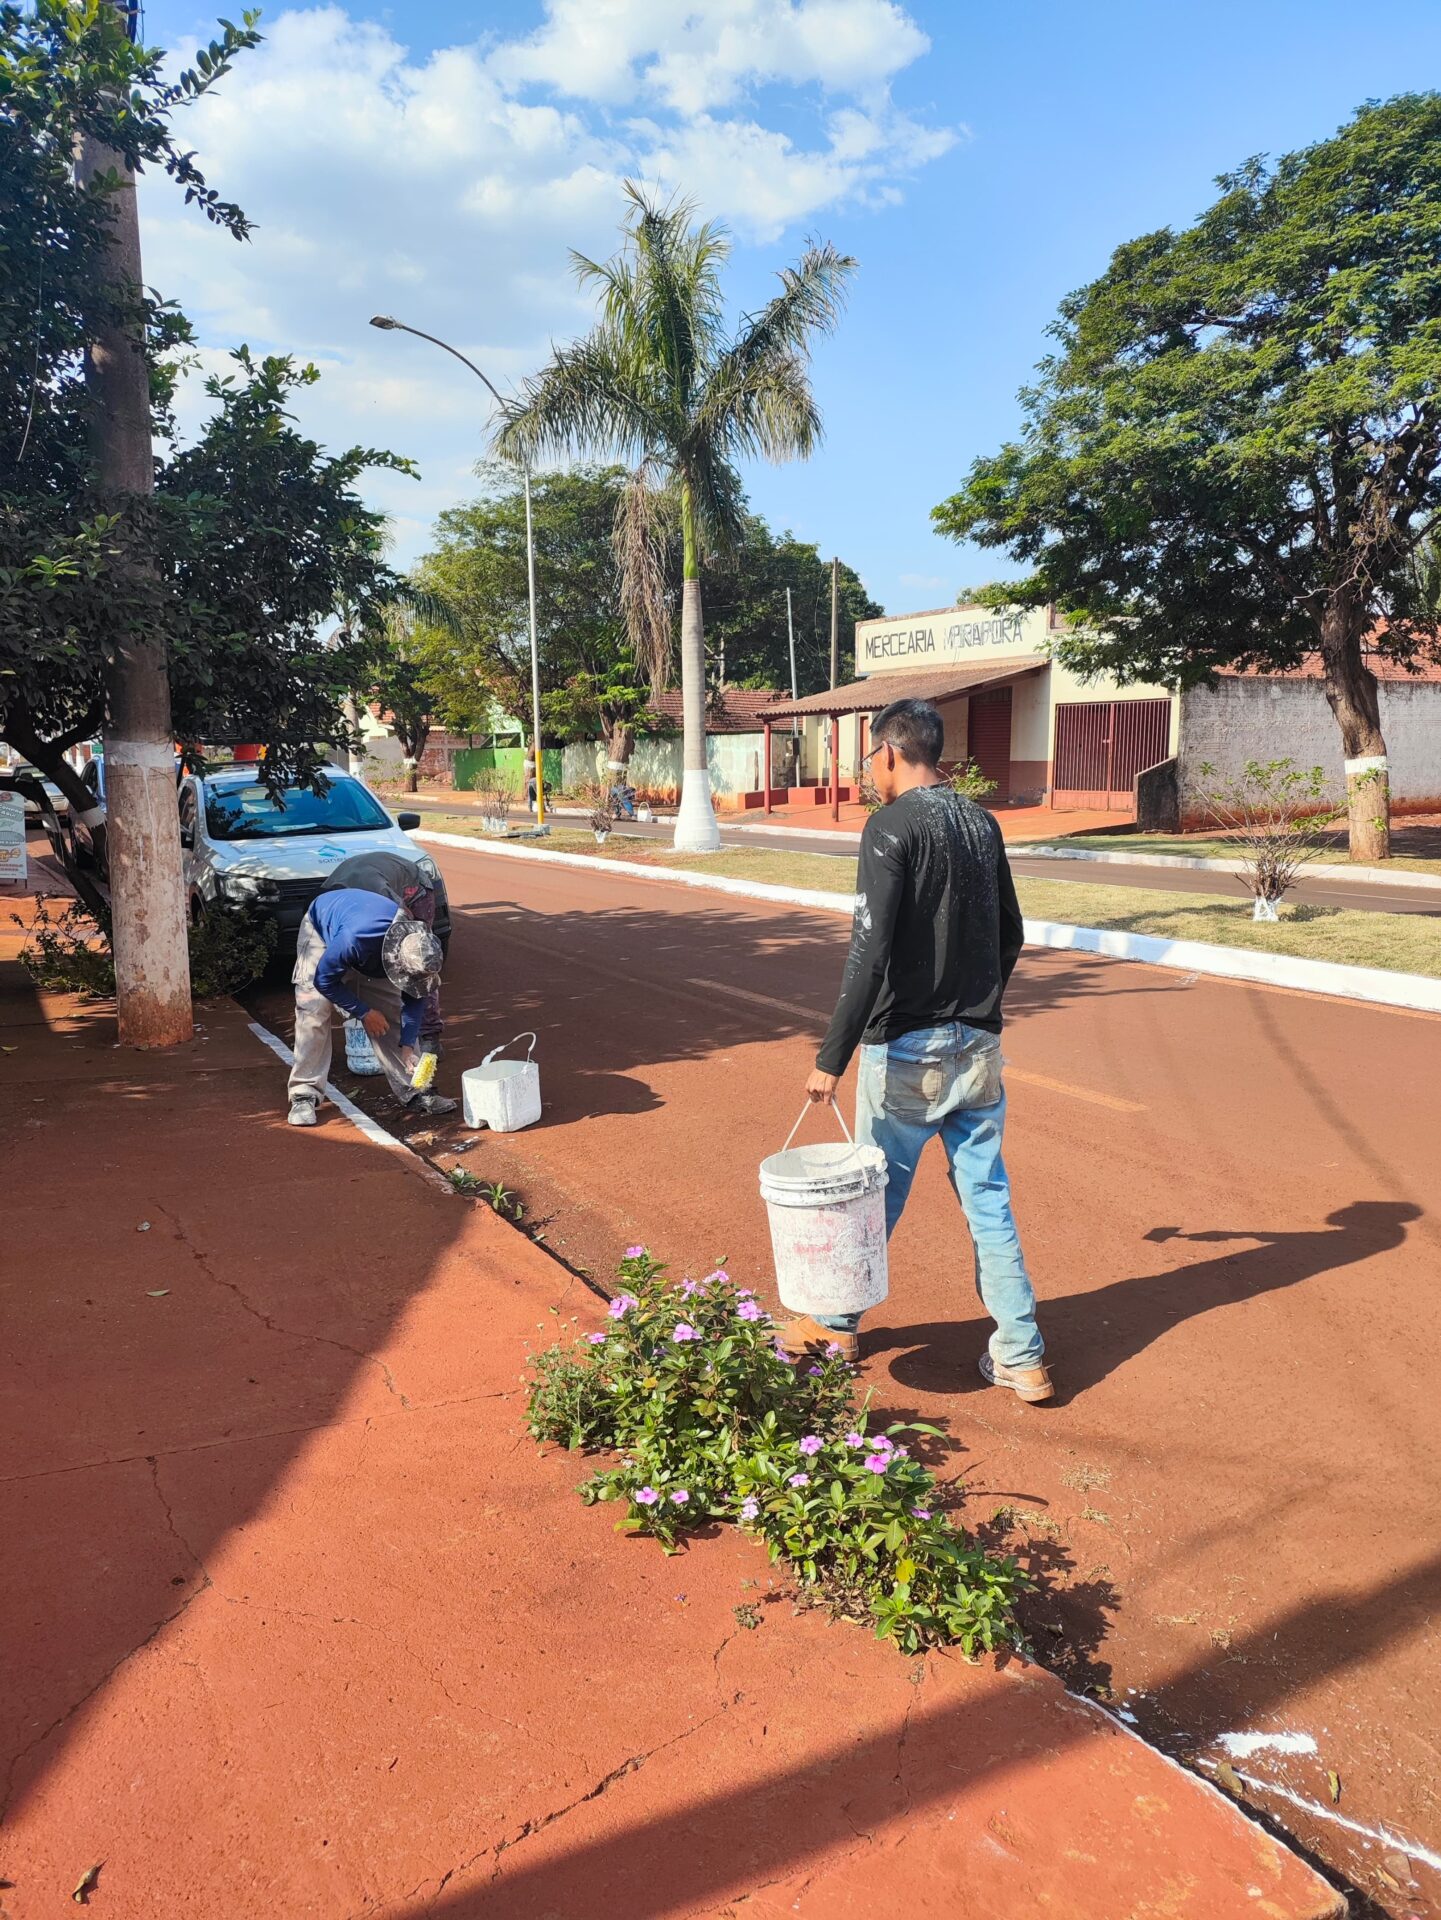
1254,719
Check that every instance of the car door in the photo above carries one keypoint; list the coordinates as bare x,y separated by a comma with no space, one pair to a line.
189,806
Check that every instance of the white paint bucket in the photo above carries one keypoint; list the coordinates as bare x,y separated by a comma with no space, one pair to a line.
503,1095
360,1055
827,1208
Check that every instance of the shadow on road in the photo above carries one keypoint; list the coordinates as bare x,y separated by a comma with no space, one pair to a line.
1104,1327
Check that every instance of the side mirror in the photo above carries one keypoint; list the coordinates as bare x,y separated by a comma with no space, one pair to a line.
407,822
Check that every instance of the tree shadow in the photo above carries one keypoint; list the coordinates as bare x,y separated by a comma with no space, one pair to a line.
1102,1328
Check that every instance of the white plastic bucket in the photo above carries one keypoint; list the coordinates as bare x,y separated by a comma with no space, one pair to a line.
827,1208
360,1055
503,1095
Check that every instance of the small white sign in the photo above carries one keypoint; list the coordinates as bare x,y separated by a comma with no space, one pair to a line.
13,868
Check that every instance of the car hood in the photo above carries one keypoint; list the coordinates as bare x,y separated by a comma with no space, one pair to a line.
310,856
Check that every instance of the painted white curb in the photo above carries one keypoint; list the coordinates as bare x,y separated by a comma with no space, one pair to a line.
1371,984
1374,985
708,882
358,1118
1355,876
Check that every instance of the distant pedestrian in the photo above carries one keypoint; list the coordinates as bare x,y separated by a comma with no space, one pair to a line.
360,952
531,785
412,884
936,933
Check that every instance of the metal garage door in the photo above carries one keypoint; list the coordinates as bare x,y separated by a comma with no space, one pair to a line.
988,737
1101,745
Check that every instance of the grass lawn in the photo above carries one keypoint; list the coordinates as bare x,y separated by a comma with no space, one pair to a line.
1399,942
1402,943
1198,847
825,872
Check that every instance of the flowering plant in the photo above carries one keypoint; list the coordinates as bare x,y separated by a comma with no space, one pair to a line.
711,1423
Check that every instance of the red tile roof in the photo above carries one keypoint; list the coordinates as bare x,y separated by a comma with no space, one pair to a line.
731,710
920,683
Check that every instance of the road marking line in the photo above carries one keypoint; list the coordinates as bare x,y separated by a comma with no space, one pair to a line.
1019,1074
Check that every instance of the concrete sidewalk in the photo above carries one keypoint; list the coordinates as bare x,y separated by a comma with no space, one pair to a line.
299,1623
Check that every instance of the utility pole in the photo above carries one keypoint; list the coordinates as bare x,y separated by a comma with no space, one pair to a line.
835,623
142,827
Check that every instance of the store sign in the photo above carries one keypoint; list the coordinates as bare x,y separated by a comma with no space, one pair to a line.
12,839
939,639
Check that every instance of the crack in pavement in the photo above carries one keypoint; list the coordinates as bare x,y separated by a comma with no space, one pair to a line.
31,1746
530,1828
273,1326
248,1439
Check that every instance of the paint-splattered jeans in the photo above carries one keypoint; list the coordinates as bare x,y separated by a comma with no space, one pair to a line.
947,1080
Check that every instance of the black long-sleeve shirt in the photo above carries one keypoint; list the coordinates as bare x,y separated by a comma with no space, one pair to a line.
937,927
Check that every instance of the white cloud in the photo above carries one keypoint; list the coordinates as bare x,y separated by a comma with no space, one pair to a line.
450,187
702,55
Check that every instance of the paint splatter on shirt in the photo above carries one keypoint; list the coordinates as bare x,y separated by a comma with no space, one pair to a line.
937,926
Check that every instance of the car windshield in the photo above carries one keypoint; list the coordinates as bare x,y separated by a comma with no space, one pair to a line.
251,813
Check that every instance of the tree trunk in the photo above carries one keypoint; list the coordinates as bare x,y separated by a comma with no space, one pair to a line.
1354,698
147,891
695,828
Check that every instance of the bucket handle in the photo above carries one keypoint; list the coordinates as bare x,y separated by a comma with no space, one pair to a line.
806,1109
510,1043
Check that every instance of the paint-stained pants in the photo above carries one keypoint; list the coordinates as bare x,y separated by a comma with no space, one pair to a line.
946,1081
419,903
315,1022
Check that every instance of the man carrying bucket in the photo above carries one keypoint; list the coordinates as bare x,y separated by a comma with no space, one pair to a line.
936,933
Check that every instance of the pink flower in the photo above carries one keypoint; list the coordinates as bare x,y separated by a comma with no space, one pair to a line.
812,1443
679,1497
878,1462
621,1305
684,1333
745,1293
646,1496
749,1509
921,1513
719,1276
748,1310
596,1339
635,1253
833,1349
799,1480
856,1440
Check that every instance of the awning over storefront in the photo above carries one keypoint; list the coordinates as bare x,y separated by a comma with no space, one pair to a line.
923,683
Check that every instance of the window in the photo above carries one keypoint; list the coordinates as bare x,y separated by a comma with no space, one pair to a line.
250,812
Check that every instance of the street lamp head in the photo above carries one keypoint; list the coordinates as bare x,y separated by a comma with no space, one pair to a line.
384,321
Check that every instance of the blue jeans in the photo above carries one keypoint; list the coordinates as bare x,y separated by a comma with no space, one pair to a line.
947,1080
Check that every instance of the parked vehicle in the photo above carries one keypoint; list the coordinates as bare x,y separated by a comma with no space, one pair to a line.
243,847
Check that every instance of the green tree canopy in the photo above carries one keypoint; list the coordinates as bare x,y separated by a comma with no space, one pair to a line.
1235,453
662,383
255,536
591,683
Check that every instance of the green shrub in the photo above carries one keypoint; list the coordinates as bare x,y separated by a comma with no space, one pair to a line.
968,780
71,952
68,953
228,949
712,1423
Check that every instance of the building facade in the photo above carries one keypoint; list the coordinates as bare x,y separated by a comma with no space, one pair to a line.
1029,723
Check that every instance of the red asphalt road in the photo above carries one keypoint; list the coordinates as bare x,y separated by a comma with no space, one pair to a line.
1227,1199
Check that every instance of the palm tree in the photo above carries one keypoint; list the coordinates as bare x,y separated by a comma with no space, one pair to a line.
662,383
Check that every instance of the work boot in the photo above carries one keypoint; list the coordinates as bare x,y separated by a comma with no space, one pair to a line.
804,1338
302,1111
1028,1383
431,1104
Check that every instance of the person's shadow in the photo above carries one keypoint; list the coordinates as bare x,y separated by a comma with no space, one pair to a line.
1103,1327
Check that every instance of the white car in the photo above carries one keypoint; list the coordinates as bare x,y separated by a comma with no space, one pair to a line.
242,847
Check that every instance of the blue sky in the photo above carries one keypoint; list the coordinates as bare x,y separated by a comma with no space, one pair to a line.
980,161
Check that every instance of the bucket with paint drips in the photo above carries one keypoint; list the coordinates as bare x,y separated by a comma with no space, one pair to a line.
827,1209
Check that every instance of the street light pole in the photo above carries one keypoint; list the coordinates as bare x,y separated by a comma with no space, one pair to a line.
388,325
